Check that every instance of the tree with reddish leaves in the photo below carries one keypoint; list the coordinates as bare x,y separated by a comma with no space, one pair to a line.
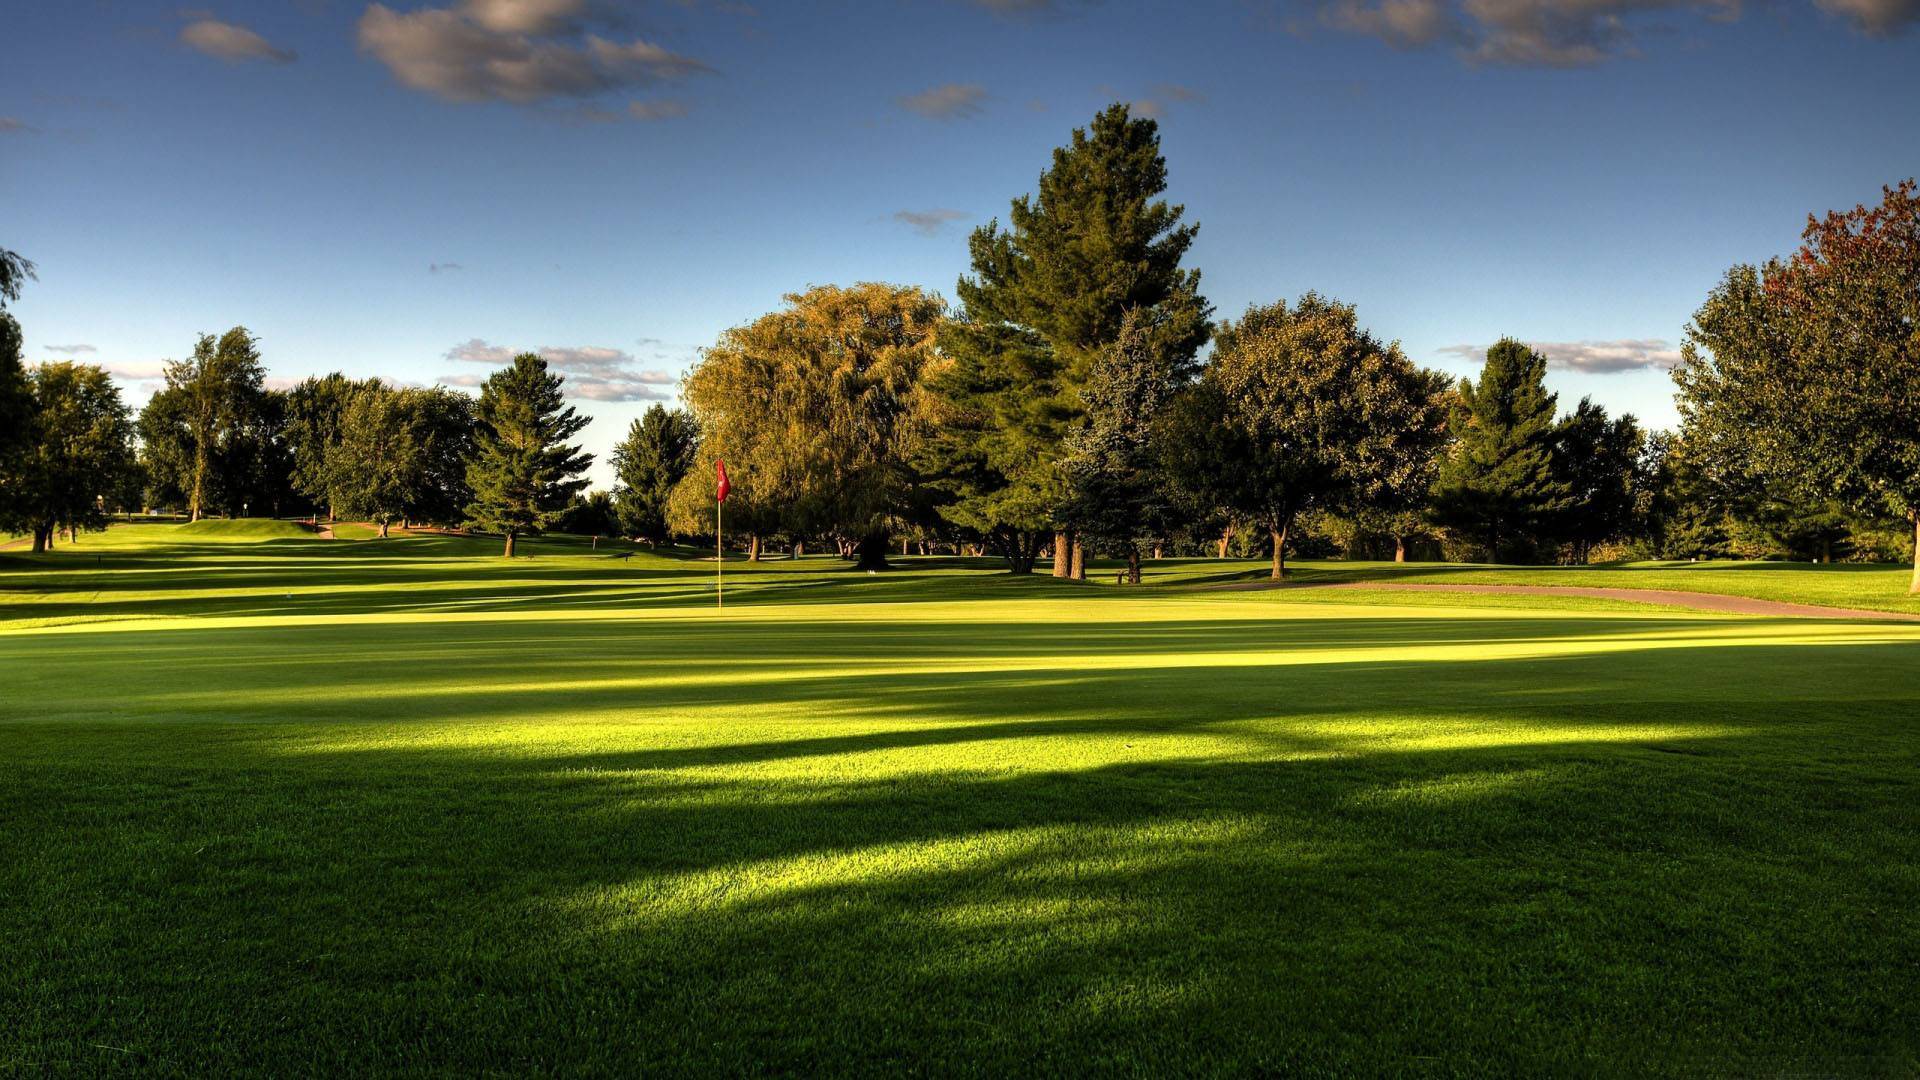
1808,370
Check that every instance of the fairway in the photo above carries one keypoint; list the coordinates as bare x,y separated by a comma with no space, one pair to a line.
281,804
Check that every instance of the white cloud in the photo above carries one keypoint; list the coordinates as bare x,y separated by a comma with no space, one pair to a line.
952,101
136,372
927,222
231,42
522,51
70,350
595,372
1525,33
1591,357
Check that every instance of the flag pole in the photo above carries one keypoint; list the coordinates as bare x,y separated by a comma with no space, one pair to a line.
719,557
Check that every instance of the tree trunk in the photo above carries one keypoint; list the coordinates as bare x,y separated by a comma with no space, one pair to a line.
904,541
1280,553
1399,549
1226,535
1158,549
799,548
872,551
509,553
1062,553
1133,564
383,528
1079,562
753,547
1826,550
42,534
1914,586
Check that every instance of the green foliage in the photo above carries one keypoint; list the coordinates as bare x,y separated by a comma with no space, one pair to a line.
656,454
817,409
523,472
15,271
591,515
1498,484
1597,459
203,433
1046,300
443,428
1300,408
1803,371
17,434
372,467
1117,490
314,409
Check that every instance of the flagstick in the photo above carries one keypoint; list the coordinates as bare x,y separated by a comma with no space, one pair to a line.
719,559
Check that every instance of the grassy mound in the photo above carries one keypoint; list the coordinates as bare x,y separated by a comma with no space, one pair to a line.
217,529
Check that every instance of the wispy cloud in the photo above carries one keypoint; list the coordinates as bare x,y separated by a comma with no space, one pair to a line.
1529,33
1875,18
656,110
952,101
1591,357
928,222
10,125
522,51
231,42
444,268
594,372
71,350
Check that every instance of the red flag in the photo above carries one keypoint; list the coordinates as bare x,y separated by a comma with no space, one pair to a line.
723,487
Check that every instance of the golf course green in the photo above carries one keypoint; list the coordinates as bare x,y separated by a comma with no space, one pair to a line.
281,804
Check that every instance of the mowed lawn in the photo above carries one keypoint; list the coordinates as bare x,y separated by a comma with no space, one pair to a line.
277,804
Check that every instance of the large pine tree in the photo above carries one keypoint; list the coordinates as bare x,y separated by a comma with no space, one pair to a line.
524,473
1047,297
1499,484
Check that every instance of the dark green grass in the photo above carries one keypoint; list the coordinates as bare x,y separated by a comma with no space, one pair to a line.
438,813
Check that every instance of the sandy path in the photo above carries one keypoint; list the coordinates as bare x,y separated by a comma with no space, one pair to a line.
1698,601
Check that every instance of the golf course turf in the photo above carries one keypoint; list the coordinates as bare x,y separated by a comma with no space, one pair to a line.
280,804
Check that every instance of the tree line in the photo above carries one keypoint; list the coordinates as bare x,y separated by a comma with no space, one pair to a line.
1080,397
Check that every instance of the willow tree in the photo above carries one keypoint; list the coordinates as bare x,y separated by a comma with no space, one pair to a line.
1299,409
1047,298
1804,370
524,472
818,408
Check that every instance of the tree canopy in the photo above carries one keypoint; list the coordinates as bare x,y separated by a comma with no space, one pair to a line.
1499,484
523,471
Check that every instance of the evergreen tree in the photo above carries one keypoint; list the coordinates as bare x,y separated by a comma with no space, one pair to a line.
1498,485
655,455
524,473
1047,298
1118,494
1596,458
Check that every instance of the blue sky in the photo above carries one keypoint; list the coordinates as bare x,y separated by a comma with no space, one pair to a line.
410,189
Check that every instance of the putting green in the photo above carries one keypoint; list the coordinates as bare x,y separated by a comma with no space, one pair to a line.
303,805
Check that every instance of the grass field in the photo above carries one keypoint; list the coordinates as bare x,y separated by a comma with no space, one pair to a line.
280,804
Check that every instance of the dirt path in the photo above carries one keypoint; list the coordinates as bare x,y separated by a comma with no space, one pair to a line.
24,541
1698,601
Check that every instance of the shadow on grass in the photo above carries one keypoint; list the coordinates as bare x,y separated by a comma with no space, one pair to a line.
1474,865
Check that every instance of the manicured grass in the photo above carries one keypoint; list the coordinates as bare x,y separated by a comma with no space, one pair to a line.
294,805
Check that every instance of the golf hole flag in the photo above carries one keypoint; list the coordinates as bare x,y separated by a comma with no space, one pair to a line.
723,486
